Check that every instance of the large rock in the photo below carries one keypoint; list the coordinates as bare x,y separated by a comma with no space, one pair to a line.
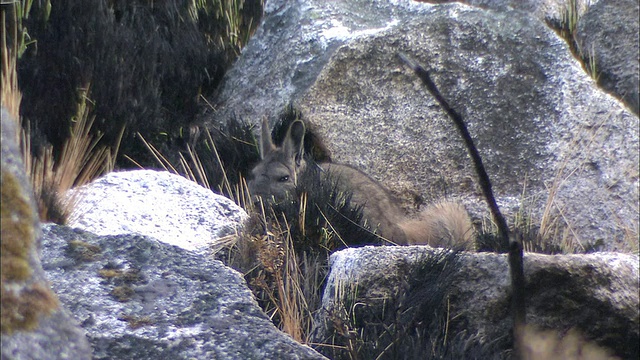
609,33
548,10
34,324
464,300
158,204
542,125
139,298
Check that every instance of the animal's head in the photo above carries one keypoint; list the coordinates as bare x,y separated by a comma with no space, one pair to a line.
276,175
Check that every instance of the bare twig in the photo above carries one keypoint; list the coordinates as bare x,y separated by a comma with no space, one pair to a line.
515,246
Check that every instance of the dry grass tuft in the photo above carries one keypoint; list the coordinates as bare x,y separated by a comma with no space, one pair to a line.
81,160
568,27
237,26
287,282
11,96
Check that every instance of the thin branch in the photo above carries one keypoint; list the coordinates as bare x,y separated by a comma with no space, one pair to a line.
515,246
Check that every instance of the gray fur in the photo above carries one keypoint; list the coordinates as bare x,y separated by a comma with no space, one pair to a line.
277,174
445,224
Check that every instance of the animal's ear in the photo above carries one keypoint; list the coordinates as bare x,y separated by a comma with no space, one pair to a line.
266,143
293,143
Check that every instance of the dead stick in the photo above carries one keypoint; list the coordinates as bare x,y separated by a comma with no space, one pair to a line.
516,263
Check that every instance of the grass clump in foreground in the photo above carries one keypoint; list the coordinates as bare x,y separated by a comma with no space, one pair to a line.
414,321
81,160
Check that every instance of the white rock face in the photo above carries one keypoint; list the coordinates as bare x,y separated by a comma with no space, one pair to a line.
187,305
158,204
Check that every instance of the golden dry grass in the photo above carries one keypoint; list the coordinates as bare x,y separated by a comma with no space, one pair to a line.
81,159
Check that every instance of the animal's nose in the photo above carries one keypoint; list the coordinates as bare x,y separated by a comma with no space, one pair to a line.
256,187
259,197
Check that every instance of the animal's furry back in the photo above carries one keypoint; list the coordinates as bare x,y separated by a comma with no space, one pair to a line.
444,224
379,207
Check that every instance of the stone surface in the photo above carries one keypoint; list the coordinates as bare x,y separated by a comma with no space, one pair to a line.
34,325
139,298
549,10
609,33
547,133
159,204
597,294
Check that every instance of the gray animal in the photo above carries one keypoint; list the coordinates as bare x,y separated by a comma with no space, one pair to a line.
444,224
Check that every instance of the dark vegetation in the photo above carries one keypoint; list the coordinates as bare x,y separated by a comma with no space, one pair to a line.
143,66
415,323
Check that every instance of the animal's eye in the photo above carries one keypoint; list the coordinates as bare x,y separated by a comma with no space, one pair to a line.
284,178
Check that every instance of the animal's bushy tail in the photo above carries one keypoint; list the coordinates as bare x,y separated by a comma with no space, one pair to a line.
443,224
